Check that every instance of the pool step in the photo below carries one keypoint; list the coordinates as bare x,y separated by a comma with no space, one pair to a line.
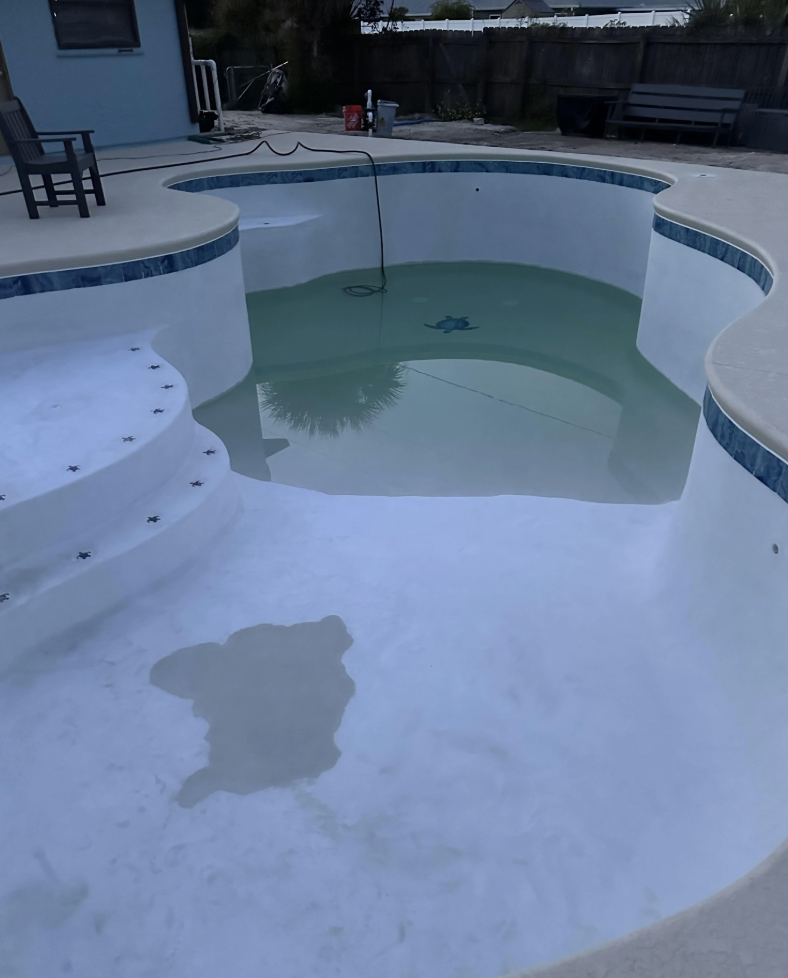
149,490
85,430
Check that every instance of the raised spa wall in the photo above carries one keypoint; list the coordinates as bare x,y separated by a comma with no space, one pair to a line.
296,224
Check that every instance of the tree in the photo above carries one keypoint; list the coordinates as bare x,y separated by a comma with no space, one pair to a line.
737,13
371,12
297,31
451,10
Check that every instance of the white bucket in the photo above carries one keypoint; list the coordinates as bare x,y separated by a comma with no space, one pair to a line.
387,112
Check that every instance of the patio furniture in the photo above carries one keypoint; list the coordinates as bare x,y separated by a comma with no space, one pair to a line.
583,115
26,146
677,108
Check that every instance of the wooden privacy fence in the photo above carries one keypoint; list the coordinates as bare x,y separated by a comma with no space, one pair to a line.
519,72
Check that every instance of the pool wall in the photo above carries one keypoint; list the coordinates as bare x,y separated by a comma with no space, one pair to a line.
690,296
582,220
194,298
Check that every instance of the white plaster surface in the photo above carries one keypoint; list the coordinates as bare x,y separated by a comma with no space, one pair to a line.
292,233
733,625
688,300
97,437
531,763
547,746
198,314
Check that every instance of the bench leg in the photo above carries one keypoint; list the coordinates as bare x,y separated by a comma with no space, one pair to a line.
49,186
95,181
79,192
27,193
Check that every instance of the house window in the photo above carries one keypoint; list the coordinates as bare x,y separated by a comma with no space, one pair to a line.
95,23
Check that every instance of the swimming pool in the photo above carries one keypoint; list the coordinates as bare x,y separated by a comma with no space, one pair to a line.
545,733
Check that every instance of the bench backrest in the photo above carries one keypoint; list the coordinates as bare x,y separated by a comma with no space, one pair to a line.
15,124
684,103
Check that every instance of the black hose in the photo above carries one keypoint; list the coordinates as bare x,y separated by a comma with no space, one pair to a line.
359,291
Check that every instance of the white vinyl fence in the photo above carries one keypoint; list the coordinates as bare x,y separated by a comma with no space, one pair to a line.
641,18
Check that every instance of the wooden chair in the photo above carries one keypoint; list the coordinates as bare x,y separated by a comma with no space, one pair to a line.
27,151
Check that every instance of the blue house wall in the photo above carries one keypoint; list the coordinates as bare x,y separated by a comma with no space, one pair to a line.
127,98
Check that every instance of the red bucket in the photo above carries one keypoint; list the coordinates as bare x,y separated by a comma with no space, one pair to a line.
352,114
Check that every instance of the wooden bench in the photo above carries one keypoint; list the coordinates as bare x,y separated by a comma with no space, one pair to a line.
677,108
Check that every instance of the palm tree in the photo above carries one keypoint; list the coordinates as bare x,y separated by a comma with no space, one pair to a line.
327,405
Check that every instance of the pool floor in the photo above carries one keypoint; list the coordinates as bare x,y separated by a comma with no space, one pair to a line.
513,753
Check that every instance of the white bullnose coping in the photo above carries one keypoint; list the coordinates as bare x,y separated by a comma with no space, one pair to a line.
747,368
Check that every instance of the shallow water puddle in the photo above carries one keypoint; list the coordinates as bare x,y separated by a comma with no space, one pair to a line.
273,695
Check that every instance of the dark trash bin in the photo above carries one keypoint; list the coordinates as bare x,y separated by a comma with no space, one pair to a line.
767,129
583,115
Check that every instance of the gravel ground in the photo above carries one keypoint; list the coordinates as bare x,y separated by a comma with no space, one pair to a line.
475,134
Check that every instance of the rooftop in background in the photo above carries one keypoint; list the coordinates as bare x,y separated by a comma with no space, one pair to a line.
528,8
421,9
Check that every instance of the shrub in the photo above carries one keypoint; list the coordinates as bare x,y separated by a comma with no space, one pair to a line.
456,113
737,13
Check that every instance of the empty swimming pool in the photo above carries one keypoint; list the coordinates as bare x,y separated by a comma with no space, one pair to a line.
471,706
462,379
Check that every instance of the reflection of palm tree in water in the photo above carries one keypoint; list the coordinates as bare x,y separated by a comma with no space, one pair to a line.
327,405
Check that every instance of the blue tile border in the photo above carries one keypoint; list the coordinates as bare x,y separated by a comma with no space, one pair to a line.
125,271
737,258
570,171
767,467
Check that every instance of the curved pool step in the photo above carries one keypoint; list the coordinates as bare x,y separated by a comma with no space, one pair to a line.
85,430
106,490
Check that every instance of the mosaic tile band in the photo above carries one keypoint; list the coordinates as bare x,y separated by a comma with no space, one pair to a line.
767,467
124,271
739,259
569,171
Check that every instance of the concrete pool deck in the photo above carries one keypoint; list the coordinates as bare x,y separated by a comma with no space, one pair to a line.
501,136
525,713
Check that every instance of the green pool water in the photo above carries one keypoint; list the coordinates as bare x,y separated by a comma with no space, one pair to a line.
532,384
